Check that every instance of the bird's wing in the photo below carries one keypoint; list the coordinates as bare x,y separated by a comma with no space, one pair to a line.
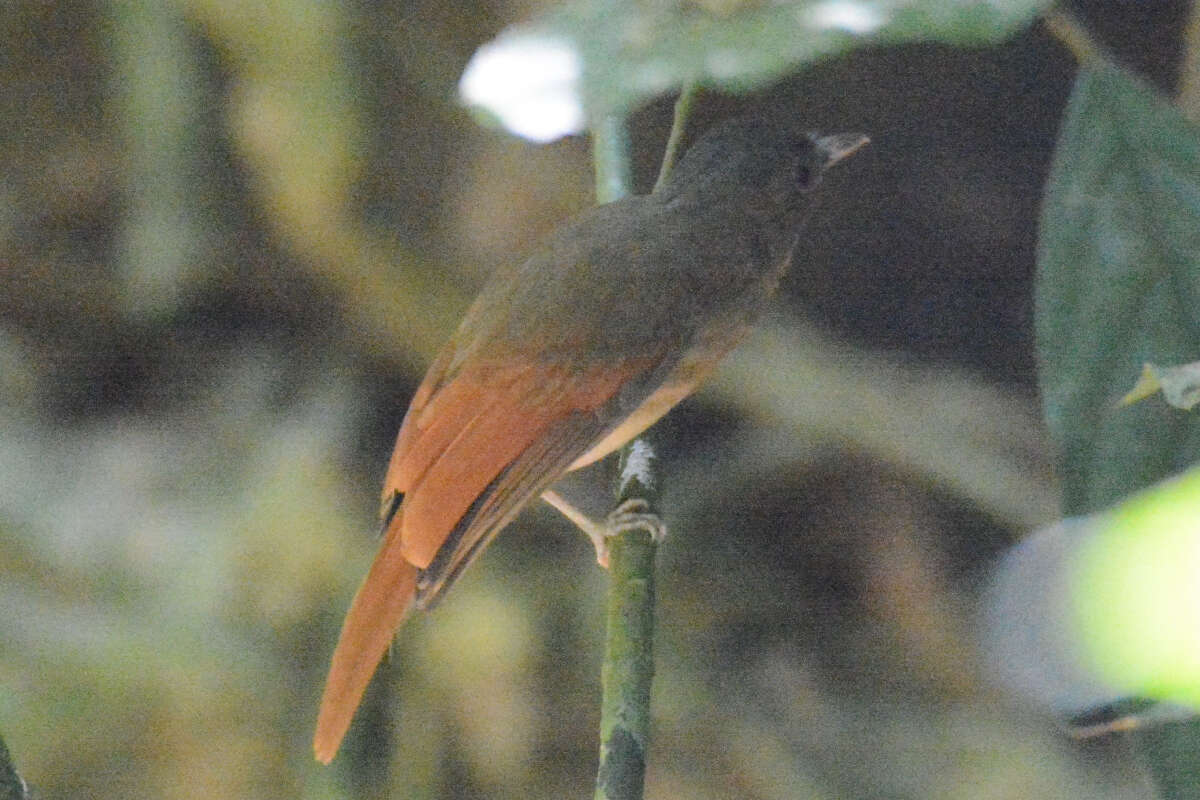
547,456
469,456
452,455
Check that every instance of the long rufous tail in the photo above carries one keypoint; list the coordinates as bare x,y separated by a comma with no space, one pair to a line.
379,607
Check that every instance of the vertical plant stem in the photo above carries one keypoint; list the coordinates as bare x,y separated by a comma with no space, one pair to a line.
683,107
1073,35
157,104
628,668
1189,68
610,154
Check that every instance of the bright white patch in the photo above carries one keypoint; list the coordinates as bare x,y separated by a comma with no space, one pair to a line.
851,16
637,466
530,82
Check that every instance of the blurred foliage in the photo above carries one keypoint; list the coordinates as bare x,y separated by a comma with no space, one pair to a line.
1137,597
231,236
1118,284
1117,287
633,51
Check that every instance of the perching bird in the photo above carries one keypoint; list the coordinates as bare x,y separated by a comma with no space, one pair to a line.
561,360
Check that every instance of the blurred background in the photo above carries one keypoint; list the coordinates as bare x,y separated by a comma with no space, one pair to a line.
232,236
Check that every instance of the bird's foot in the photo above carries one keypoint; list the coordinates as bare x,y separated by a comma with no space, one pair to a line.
632,515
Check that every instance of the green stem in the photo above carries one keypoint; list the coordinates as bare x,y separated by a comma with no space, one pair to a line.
157,107
1074,36
628,669
683,107
610,153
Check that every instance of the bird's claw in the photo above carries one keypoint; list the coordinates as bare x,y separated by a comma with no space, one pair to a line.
632,515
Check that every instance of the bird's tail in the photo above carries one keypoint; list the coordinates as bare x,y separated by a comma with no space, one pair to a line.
379,607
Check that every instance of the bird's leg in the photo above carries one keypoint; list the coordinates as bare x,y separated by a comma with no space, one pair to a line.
595,531
629,516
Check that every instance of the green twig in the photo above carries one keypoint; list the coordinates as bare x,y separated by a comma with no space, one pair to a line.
1074,36
610,153
628,667
683,107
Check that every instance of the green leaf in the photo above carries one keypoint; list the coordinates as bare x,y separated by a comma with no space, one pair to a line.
1135,597
1118,285
633,51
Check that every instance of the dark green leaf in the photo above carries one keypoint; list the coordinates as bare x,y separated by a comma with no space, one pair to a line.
1118,285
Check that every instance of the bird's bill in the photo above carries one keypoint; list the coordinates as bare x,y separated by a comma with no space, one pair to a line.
840,145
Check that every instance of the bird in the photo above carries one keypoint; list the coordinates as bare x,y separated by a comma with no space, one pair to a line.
563,358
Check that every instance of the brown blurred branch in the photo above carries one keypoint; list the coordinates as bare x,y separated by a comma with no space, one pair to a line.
1189,68
960,433
1073,35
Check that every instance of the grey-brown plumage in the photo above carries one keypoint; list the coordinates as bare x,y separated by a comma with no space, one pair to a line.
622,276
562,359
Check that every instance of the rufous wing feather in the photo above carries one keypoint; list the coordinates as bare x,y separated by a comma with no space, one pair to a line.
526,477
379,606
456,441
436,502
